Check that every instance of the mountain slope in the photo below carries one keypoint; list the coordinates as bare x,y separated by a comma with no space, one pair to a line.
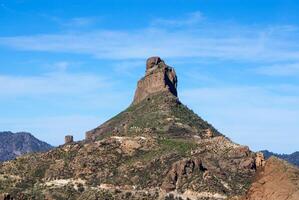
291,158
160,113
277,180
156,149
16,144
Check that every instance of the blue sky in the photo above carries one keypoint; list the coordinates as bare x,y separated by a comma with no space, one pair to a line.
67,66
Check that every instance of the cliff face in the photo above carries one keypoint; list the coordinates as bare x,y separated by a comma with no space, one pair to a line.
158,78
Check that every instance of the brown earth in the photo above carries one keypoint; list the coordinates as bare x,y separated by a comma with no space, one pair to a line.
277,180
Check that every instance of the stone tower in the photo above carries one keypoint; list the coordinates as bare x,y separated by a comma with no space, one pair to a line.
68,139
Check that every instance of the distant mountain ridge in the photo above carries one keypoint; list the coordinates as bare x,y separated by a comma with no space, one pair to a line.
16,144
291,158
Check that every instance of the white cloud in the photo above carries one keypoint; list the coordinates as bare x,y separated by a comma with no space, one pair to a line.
50,84
231,43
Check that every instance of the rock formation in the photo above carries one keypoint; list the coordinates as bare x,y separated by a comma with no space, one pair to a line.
158,78
260,160
180,171
157,148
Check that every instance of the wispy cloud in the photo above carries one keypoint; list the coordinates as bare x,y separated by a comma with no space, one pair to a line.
233,42
61,66
244,113
80,22
79,103
255,116
188,20
289,69
130,67
50,84
73,23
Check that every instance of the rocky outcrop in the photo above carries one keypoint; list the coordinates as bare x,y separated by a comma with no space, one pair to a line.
181,170
260,160
276,180
158,78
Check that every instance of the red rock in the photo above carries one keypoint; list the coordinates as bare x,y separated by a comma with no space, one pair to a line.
277,180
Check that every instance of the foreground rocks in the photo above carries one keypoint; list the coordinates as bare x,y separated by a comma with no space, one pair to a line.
277,180
138,167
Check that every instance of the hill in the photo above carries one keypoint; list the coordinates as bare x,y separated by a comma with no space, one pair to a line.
276,180
17,144
291,158
155,149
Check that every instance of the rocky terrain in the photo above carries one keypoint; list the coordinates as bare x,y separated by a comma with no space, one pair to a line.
16,144
155,149
291,158
276,180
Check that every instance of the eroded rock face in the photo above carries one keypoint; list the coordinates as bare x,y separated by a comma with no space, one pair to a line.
158,78
180,170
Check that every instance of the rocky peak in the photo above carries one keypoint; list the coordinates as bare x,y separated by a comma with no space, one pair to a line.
159,77
152,62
